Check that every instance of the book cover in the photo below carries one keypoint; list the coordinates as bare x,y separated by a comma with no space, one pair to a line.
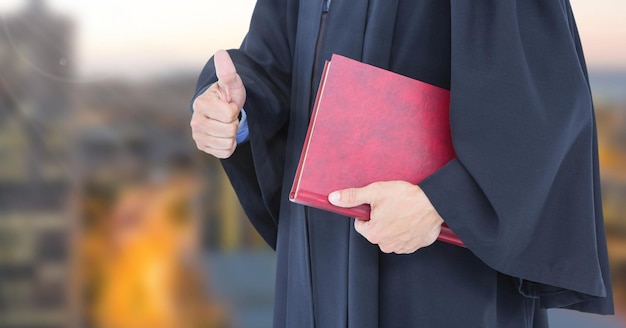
369,124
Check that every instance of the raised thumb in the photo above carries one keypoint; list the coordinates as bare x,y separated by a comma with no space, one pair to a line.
227,78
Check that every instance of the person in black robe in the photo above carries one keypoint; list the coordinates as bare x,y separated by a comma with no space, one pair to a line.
523,193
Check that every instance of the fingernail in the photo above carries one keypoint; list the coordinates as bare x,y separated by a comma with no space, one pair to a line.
334,197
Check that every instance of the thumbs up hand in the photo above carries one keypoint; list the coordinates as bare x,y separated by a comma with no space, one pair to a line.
215,119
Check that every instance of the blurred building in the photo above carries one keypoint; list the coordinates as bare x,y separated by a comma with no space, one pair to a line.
134,135
137,131
36,218
612,147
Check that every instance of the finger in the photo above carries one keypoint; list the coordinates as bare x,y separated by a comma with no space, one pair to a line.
215,143
361,226
352,197
215,128
387,249
367,230
211,106
219,152
227,78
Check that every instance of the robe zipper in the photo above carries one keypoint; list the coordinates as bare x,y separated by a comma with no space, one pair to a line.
318,49
326,6
318,46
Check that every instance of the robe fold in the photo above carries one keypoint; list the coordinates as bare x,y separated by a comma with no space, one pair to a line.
523,192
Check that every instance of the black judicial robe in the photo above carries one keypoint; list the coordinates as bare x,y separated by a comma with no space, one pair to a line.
523,192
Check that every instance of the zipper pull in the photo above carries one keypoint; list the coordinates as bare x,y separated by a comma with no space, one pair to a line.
326,6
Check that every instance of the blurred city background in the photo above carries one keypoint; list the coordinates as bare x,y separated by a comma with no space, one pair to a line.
109,216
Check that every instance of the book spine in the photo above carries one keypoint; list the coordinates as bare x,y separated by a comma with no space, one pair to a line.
362,212
295,189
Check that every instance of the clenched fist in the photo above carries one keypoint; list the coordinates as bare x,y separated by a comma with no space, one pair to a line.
215,118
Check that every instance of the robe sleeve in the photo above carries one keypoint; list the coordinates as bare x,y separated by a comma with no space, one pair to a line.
523,193
264,63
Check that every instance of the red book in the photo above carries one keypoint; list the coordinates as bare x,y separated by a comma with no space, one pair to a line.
368,125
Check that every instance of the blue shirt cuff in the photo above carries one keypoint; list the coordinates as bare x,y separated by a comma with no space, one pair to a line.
242,132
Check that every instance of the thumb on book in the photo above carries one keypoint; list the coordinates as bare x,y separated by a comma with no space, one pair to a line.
350,197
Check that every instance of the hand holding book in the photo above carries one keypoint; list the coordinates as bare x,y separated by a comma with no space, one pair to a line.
371,125
402,219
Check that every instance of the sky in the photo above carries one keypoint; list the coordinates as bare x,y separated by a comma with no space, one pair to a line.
145,37
137,37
